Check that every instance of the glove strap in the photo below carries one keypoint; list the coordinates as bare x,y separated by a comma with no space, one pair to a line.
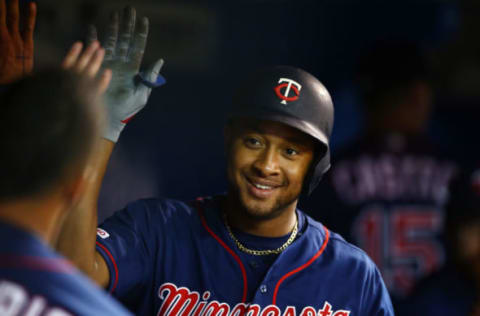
140,78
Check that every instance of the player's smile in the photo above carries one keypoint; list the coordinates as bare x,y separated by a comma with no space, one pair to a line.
267,165
261,188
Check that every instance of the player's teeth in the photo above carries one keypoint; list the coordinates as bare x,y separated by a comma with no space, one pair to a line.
263,187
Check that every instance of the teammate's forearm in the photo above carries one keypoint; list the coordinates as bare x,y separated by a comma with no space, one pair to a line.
78,235
123,99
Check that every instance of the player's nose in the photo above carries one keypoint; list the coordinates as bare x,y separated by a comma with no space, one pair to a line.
267,163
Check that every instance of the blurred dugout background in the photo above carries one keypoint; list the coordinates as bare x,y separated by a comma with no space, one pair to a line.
174,147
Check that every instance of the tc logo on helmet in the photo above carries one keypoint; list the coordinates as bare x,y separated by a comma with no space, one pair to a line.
289,85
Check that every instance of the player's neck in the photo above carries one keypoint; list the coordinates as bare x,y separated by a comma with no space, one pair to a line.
278,226
41,216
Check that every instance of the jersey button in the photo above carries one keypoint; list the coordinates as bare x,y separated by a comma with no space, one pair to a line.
263,288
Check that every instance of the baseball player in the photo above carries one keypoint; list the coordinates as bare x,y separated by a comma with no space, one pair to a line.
455,289
251,251
48,130
386,191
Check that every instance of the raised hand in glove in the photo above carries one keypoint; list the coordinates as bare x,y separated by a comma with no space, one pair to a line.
16,46
129,89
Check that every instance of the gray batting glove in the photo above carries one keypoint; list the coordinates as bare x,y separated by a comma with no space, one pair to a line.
129,90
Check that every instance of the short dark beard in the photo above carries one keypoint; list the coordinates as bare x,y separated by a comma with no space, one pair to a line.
234,196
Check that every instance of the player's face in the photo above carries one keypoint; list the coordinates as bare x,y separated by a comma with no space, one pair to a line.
267,164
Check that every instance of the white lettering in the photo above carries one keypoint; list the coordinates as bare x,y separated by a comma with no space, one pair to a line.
16,301
36,307
12,298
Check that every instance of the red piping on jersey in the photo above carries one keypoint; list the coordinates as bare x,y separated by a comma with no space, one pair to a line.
228,249
114,265
36,263
309,262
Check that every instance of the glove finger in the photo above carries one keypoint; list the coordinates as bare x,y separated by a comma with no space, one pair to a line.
126,31
151,78
154,70
91,35
139,43
112,36
151,75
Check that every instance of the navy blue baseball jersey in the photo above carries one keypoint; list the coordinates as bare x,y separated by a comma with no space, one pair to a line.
174,258
386,194
35,281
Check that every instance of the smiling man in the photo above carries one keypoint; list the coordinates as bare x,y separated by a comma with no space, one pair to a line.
268,162
249,252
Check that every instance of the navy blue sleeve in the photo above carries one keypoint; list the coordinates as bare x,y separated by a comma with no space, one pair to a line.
365,283
376,300
128,244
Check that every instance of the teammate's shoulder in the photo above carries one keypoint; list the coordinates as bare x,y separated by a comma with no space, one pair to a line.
23,281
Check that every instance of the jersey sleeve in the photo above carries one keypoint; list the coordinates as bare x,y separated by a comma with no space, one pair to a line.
128,245
375,297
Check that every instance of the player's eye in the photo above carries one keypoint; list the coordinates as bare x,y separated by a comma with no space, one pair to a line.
252,142
290,152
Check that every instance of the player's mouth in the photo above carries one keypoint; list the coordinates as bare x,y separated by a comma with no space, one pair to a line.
261,189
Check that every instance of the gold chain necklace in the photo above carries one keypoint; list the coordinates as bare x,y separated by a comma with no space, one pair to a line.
262,252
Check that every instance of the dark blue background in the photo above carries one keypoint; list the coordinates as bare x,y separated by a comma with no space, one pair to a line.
174,147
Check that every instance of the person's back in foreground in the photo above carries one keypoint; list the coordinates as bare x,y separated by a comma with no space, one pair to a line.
48,131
